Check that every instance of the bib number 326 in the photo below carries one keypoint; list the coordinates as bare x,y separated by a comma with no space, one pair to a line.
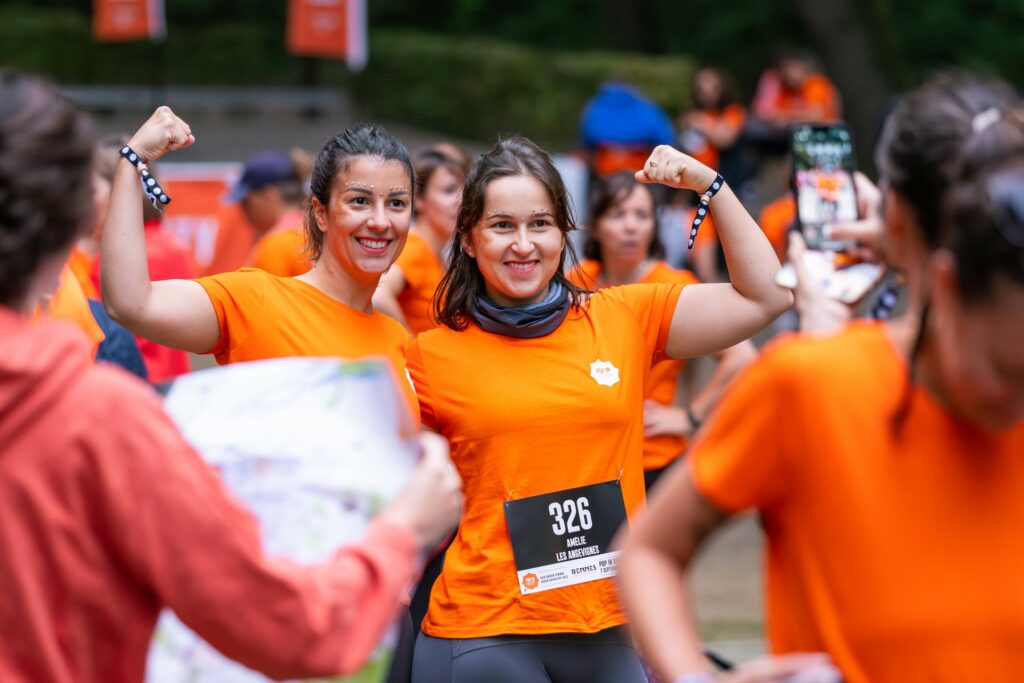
562,538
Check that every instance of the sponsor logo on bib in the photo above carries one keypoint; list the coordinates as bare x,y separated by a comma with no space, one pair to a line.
530,582
604,373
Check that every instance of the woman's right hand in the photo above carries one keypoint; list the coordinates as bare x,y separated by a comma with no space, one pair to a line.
162,133
669,166
431,503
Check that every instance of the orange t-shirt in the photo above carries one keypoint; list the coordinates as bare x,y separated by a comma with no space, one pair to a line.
69,303
732,116
282,251
265,316
817,91
775,220
235,239
423,272
526,417
661,386
81,265
896,553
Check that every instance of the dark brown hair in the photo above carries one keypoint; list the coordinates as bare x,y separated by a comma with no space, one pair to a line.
608,193
336,157
443,155
462,284
728,93
936,149
46,154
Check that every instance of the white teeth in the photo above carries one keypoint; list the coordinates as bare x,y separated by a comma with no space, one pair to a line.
520,266
373,244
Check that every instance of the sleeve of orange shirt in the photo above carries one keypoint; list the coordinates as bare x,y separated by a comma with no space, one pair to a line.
418,375
654,305
237,298
740,460
199,551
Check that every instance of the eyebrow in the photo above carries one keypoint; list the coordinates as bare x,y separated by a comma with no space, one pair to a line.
368,189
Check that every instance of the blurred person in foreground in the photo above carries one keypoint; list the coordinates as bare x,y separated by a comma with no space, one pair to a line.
887,469
108,516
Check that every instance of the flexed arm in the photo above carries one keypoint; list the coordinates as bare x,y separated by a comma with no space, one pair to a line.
712,317
175,313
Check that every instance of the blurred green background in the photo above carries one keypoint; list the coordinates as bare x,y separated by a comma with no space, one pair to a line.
474,68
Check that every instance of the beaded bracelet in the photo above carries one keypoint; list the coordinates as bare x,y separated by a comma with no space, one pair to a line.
157,196
703,206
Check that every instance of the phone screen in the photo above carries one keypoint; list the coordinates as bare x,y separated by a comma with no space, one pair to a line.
823,166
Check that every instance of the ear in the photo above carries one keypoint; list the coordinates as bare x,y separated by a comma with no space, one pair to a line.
946,303
467,244
320,214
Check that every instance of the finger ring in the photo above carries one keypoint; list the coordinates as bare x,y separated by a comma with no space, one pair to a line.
652,164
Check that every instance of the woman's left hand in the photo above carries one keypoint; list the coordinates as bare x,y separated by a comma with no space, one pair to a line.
661,419
671,167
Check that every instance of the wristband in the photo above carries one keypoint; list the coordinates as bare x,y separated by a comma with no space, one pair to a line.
157,197
703,206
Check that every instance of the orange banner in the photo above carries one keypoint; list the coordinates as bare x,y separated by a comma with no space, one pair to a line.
328,28
198,213
123,20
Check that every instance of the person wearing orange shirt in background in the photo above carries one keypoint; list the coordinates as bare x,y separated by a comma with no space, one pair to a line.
776,219
623,248
108,515
716,120
887,465
406,291
272,196
356,225
794,91
538,387
234,243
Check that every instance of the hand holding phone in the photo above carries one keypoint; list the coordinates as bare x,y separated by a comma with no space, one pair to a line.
823,170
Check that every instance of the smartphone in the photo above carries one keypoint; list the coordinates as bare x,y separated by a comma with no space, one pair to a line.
823,167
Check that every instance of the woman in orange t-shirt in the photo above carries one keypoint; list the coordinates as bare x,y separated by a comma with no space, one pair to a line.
538,387
886,466
716,120
406,291
623,248
356,226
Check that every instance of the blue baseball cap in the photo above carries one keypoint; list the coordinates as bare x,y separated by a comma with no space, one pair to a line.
261,170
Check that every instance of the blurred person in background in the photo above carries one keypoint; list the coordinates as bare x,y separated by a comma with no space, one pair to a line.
272,192
620,126
406,291
793,91
109,515
623,248
356,225
887,469
714,123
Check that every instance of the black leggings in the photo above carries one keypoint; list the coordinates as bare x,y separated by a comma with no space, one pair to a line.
604,657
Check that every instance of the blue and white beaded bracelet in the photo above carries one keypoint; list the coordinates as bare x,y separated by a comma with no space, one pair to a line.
150,186
703,206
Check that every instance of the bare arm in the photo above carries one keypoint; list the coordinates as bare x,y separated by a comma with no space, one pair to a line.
385,299
653,575
712,317
175,313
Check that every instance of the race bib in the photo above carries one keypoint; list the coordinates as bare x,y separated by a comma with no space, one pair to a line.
561,539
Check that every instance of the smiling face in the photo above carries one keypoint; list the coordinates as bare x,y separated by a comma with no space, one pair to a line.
625,231
367,218
517,244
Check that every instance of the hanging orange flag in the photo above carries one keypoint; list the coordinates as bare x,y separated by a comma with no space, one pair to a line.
328,28
122,20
